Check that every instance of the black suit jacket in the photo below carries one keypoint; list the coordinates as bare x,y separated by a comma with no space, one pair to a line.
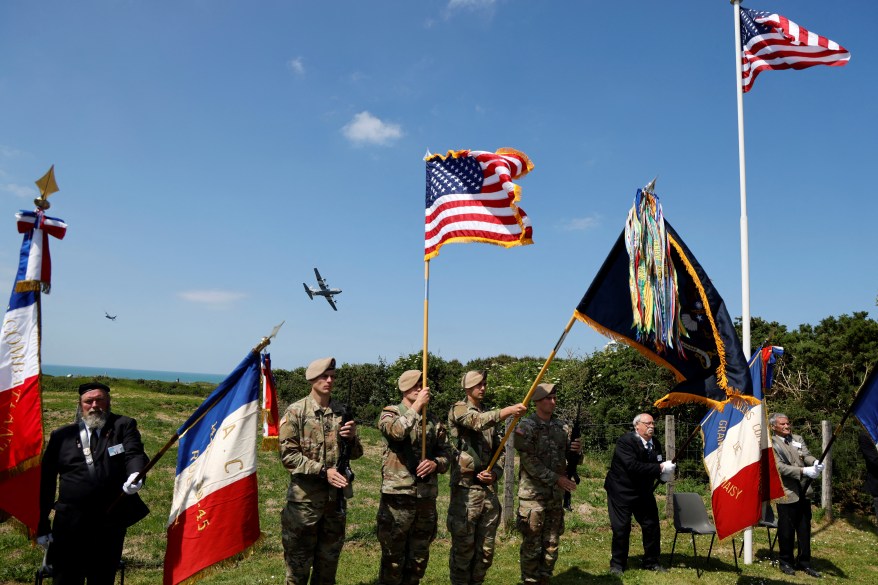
83,498
633,470
870,454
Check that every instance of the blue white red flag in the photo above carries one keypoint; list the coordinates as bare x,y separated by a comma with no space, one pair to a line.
36,262
471,198
866,405
21,418
772,41
738,457
215,511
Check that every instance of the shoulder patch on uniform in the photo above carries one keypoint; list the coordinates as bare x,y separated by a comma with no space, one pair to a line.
386,414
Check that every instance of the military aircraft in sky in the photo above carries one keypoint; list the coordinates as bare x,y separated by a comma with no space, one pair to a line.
324,291
110,317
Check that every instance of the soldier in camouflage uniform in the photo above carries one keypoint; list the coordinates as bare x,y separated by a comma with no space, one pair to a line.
409,485
542,441
474,510
313,521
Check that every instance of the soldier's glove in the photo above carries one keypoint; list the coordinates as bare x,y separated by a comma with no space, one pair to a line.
45,540
132,488
811,472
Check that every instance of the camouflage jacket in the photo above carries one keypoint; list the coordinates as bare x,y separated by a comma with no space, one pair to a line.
401,427
542,448
474,435
308,436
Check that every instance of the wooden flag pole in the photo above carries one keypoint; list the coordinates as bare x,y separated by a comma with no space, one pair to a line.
424,367
533,387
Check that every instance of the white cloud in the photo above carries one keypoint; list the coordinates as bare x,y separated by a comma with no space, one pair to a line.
8,152
22,191
367,129
211,298
297,66
580,224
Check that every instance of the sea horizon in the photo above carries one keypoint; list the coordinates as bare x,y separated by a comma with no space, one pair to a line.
129,374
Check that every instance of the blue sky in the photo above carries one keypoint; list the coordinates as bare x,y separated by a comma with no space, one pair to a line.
211,153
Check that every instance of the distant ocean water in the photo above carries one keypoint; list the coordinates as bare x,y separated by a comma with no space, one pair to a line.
55,370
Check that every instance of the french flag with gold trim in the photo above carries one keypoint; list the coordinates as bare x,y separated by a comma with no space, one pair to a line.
21,418
215,511
738,457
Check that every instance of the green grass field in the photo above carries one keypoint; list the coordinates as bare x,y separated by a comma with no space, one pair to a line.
844,550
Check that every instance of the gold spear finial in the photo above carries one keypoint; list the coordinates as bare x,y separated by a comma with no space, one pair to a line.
47,185
267,339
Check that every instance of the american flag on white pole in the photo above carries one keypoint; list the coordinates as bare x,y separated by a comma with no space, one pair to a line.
471,198
772,41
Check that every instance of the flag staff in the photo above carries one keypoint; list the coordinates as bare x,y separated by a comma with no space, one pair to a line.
176,436
424,366
745,243
530,392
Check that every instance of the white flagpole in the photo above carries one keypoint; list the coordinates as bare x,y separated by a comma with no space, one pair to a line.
745,245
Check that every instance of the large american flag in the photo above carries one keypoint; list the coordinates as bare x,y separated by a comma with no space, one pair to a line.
471,198
772,41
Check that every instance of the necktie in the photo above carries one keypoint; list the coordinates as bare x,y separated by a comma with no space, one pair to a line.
93,442
788,439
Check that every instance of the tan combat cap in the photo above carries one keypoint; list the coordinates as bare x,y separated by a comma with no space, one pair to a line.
542,391
409,380
318,367
472,378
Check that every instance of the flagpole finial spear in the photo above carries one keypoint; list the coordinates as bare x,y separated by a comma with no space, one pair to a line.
47,186
267,339
650,187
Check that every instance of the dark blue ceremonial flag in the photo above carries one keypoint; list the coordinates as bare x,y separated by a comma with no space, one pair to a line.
709,364
866,405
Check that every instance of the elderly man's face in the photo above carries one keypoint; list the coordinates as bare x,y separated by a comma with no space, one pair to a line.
646,427
95,405
782,426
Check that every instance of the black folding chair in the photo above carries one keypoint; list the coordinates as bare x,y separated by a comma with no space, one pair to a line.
690,517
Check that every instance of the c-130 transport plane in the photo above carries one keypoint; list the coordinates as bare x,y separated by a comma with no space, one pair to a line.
324,291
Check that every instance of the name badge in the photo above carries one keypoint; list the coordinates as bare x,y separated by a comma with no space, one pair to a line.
796,444
116,449
659,457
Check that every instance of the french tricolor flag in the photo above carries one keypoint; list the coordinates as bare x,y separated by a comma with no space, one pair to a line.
215,512
738,456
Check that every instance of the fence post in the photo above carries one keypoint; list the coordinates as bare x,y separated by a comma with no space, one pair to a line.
826,491
508,517
670,453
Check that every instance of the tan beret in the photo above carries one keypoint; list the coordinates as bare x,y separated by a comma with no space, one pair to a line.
472,378
542,391
409,380
318,367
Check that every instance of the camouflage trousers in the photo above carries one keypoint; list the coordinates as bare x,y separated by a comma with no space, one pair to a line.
312,535
406,527
473,517
541,529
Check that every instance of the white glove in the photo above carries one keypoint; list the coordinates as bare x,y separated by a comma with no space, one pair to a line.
45,540
132,488
811,472
819,467
668,467
666,476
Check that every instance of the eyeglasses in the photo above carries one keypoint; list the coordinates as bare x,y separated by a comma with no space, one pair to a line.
649,424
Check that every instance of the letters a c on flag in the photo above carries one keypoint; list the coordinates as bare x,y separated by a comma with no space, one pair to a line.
471,198
772,41
21,419
215,510
709,363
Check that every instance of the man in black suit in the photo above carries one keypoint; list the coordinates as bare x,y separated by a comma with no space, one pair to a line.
870,454
96,458
637,463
